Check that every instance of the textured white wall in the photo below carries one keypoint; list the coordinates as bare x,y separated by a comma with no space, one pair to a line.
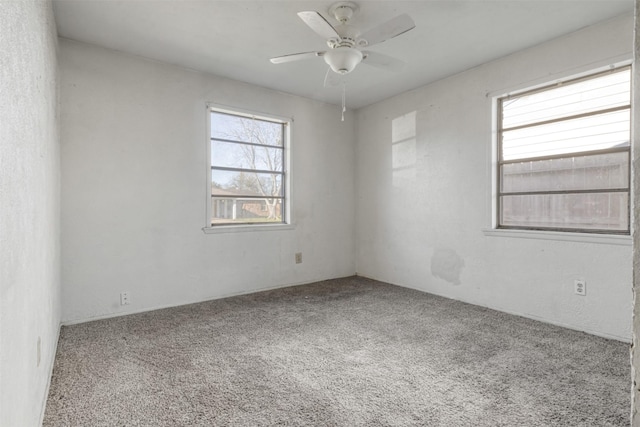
29,209
424,186
133,188
635,150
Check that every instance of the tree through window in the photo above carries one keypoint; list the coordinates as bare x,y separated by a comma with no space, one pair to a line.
248,173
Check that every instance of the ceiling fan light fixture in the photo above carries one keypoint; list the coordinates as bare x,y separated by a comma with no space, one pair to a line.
343,60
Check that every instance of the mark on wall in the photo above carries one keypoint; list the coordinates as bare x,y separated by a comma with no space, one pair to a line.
447,265
403,149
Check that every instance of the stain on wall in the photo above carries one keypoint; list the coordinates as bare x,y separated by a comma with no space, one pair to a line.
447,265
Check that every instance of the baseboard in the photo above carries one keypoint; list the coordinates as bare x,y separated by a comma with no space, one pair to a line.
52,361
306,282
626,340
213,298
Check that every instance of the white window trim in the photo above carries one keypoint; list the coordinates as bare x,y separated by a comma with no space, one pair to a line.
492,210
240,228
562,236
244,228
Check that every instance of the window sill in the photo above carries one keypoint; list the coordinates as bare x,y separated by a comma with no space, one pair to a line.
605,239
245,228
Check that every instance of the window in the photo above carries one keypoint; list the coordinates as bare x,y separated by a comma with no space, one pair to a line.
248,169
564,156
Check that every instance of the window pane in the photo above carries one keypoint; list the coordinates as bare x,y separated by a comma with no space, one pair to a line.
600,93
591,211
570,136
227,183
236,128
227,210
602,171
234,155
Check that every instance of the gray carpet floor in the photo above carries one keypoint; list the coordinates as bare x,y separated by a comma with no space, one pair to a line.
345,352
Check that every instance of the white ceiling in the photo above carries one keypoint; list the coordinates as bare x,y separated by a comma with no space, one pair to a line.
235,39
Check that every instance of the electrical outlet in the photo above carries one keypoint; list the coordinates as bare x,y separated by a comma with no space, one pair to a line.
580,287
298,257
124,298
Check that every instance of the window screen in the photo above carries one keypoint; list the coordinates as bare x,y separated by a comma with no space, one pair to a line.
247,170
564,156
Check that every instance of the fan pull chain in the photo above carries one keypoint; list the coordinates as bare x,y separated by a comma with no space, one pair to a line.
344,98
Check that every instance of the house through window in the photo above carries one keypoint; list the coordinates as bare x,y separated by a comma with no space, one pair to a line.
248,174
564,156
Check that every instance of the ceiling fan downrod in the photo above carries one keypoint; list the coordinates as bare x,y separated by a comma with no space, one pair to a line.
344,98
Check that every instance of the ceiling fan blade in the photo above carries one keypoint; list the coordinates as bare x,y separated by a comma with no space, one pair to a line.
318,24
388,30
331,79
380,60
295,57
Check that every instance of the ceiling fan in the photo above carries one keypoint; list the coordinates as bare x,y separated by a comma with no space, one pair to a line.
346,41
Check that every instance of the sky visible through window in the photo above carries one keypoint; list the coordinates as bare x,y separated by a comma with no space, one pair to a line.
266,157
585,132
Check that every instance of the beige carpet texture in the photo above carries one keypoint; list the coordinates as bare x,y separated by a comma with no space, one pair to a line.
344,352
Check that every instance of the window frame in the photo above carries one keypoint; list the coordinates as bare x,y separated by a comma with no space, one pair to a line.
286,123
499,161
